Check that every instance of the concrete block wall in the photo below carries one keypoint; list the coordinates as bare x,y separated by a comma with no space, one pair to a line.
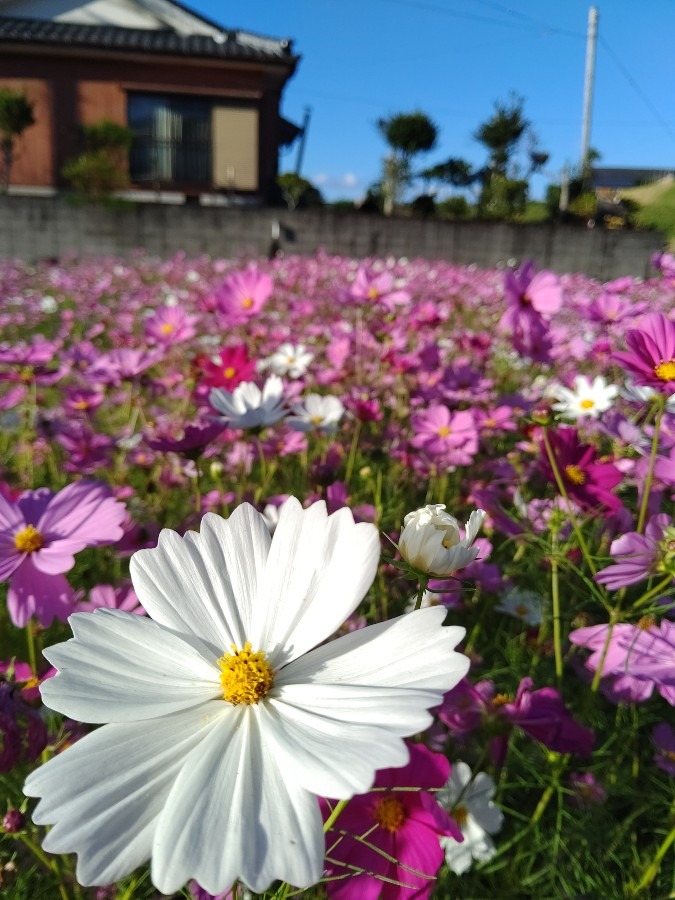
34,228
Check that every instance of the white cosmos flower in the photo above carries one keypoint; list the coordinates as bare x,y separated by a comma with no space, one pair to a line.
525,605
431,540
316,412
291,360
249,407
225,712
586,399
470,804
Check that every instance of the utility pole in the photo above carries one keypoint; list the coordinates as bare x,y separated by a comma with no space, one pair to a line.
589,79
303,138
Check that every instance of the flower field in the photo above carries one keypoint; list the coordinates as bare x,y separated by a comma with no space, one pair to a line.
336,578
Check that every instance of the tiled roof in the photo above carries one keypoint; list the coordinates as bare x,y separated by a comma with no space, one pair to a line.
625,177
239,45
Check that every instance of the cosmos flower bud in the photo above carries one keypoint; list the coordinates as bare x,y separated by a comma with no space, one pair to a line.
432,542
13,821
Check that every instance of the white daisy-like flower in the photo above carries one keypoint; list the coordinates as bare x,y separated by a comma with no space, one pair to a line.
290,360
431,540
225,715
639,393
316,412
249,407
524,605
470,804
585,399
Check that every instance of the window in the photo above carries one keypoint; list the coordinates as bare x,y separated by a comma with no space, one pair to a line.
172,139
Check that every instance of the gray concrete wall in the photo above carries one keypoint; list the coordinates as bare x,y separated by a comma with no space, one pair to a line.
33,228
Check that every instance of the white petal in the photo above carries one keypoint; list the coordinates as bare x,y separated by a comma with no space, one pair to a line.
413,650
332,739
318,570
457,856
103,795
175,585
121,668
233,814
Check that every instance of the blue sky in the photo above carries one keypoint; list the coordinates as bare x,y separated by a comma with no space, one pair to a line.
452,59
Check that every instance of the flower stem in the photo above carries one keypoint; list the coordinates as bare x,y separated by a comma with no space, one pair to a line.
352,451
652,869
653,592
424,582
30,638
52,865
652,459
563,493
555,600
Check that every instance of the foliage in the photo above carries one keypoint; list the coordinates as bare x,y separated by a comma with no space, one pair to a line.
102,168
298,192
453,208
409,133
16,115
501,133
423,206
503,198
660,213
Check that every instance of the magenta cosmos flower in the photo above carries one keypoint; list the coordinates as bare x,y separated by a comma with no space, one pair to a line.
226,369
404,824
243,294
651,360
378,287
638,556
586,480
39,535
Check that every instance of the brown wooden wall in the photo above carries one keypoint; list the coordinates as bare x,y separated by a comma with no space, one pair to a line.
33,158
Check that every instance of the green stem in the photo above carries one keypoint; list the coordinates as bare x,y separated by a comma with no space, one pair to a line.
557,634
30,638
563,493
652,459
613,618
352,451
652,869
424,583
51,864
653,592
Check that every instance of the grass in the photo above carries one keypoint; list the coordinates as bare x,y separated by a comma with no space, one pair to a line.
657,207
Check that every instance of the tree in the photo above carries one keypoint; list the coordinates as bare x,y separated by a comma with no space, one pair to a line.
501,133
298,192
102,168
16,114
456,172
407,134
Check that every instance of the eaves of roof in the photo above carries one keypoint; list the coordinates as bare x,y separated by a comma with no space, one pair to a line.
234,45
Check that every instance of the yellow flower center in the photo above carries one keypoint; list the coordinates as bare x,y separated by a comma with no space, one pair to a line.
316,420
246,676
29,540
247,302
80,404
390,814
373,293
665,371
460,814
646,622
167,328
575,474
229,372
587,404
443,431
499,700
668,754
521,609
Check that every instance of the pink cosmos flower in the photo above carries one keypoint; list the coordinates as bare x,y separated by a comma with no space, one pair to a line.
170,325
446,436
105,596
39,535
243,294
526,288
377,287
404,824
586,480
587,789
651,360
640,555
192,442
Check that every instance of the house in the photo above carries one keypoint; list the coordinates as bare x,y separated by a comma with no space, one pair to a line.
203,101
608,182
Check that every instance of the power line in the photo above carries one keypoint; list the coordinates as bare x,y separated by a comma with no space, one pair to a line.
636,87
513,12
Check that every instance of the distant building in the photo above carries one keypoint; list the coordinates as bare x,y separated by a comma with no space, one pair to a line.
606,182
202,100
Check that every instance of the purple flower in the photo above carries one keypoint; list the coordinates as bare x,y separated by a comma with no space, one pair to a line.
170,325
640,555
664,738
449,438
587,789
586,480
105,596
39,535
243,294
638,658
194,440
23,734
